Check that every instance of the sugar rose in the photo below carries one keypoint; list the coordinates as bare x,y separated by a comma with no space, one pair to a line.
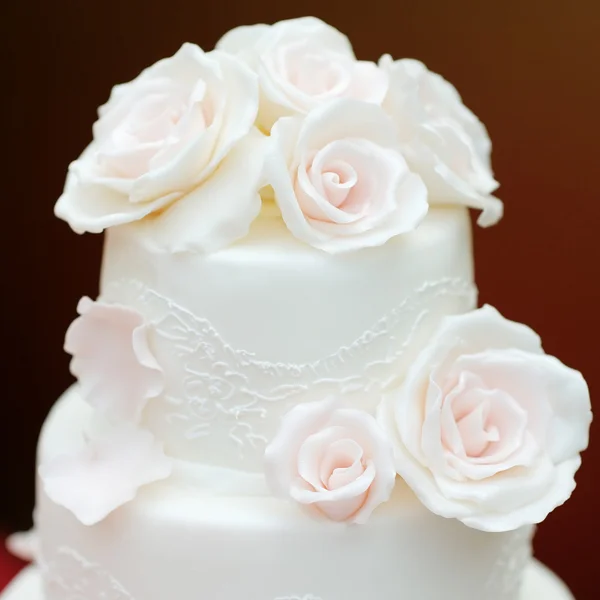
340,179
159,138
487,428
302,63
335,461
442,139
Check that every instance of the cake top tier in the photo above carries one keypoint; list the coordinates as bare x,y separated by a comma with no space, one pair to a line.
351,153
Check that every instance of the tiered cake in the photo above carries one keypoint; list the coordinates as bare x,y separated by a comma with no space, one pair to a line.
285,390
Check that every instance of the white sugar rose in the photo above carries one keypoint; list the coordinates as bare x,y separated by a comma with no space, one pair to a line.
442,139
302,63
159,138
487,428
335,461
340,179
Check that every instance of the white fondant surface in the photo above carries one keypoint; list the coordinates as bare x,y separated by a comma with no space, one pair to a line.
177,539
539,583
248,332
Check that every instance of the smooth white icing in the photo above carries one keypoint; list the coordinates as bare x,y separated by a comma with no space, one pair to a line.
246,333
177,540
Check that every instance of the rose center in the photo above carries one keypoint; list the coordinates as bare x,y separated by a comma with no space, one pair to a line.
153,127
342,464
476,430
480,421
338,180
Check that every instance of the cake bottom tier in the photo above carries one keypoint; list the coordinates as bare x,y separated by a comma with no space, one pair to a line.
191,537
538,583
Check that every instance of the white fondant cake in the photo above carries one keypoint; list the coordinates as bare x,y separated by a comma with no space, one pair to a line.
285,390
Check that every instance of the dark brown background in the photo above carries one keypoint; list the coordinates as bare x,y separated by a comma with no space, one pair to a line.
528,68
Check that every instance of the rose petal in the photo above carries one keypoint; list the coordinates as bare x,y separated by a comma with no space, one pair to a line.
94,207
281,455
369,83
112,359
534,512
197,222
105,474
242,39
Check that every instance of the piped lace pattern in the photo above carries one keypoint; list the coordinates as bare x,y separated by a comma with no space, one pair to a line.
234,399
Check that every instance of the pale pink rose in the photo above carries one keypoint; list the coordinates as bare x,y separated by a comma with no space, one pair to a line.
106,473
159,138
442,140
112,359
340,179
335,461
486,427
302,63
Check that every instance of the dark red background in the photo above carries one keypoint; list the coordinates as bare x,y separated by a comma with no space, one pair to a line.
528,68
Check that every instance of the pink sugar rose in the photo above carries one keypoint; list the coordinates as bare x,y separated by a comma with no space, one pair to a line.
487,428
112,359
158,140
340,179
335,461
302,63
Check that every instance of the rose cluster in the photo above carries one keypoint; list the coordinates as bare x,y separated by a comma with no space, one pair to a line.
484,427
354,151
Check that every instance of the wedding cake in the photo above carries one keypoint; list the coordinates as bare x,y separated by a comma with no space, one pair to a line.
285,390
